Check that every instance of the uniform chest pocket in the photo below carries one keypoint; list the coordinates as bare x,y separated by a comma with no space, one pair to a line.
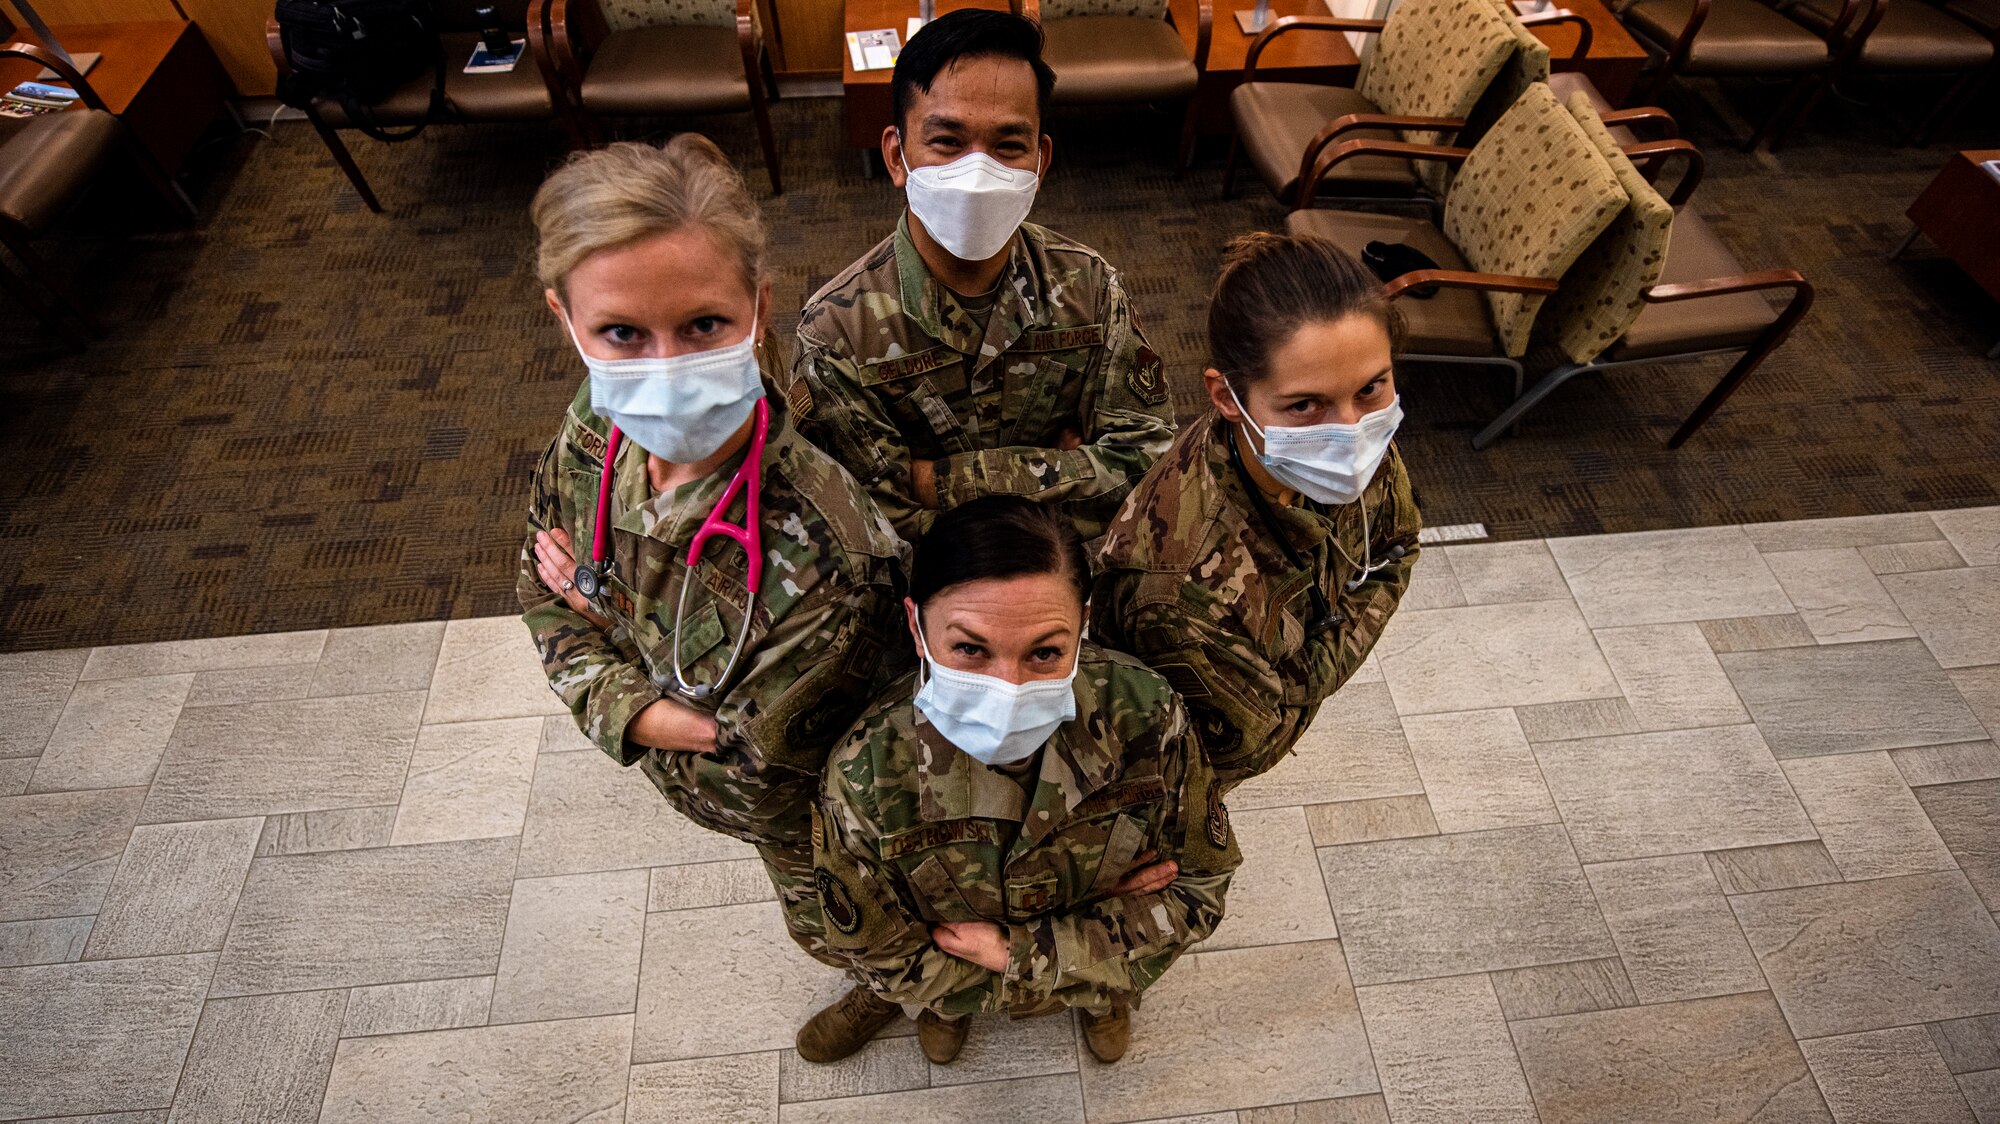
952,868
701,631
1042,399
940,897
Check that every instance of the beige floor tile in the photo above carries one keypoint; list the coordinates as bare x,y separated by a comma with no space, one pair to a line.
1667,793
585,813
1235,1029
573,1070
560,735
262,1059
1909,557
1478,771
33,689
1970,1044
250,685
220,653
1885,1077
1974,531
97,1037
1000,1047
1563,989
1980,687
1492,655
693,956
572,947
1947,764
1368,1108
1702,1060
468,780
1354,750
1867,817
1202,1118
1494,573
14,774
1779,866
1276,895
1674,930
1432,584
1968,817
487,668
150,1116
1472,902
1052,1099
1956,612
1757,634
1670,677
1853,530
1658,577
1364,821
335,829
268,758
1586,718
701,885
1870,955
1838,596
886,1065
405,1008
175,889
353,918
742,1089
368,661
59,850
1850,697
1982,1092
1442,1049
111,734
52,940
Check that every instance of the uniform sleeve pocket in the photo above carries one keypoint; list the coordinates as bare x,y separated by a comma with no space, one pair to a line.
1127,837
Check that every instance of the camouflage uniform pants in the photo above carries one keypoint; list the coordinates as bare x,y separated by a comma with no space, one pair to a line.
791,872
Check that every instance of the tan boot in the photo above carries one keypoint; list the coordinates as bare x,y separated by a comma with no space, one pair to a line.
942,1039
845,1026
1108,1035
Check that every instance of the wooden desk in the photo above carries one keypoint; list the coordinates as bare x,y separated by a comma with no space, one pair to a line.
1297,56
1615,57
865,93
1960,213
160,77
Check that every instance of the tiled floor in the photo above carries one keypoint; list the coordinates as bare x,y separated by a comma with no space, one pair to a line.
1697,825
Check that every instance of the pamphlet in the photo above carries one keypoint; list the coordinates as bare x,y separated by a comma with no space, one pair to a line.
11,106
486,62
873,50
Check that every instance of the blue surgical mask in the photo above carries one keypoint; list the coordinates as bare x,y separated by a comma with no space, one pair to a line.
1332,463
991,720
681,408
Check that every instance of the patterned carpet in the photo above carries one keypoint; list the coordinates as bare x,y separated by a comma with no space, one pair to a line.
306,415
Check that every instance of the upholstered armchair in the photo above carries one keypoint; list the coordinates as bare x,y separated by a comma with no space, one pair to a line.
1110,52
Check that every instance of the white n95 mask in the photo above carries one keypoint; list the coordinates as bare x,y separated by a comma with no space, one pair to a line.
1332,463
681,407
971,205
991,720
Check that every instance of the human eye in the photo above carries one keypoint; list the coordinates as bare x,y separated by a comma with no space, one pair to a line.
621,335
944,143
1047,654
701,327
1373,389
968,650
1301,408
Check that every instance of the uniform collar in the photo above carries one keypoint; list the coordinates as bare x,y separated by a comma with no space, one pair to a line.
1304,522
1019,301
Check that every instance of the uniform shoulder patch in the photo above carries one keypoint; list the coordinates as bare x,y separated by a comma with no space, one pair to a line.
1219,736
835,902
1146,378
799,399
1218,820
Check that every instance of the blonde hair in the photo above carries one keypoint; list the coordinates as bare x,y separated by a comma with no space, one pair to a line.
619,194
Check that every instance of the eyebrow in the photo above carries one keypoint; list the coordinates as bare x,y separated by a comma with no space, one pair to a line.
952,124
978,639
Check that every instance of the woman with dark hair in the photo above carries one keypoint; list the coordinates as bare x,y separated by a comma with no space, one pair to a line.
1257,564
1023,824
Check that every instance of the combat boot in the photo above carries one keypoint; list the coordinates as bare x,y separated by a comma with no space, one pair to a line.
846,1026
942,1039
1108,1035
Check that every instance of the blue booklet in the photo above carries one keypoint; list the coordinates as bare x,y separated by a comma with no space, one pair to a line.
486,62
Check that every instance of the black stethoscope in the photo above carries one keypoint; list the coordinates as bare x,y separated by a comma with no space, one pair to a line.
1324,618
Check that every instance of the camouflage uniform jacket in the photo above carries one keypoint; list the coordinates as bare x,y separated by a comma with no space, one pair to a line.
911,832
815,650
1190,581
886,373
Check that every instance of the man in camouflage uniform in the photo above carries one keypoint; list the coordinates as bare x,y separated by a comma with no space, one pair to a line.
911,833
815,650
1191,582
936,380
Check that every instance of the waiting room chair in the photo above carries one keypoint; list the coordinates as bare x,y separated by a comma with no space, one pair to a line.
1122,52
1898,37
520,94
660,58
1737,39
1656,287
45,166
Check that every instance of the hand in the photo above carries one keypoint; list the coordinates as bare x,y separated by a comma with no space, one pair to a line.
666,724
923,482
1070,439
980,942
555,564
1147,876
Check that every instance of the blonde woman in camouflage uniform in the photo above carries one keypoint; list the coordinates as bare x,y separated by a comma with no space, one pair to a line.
653,260
1026,824
1258,563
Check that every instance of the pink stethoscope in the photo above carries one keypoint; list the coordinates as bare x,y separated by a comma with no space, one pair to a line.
748,481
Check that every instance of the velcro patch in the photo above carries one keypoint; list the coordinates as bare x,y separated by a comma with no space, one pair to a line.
1060,339
925,836
836,903
1218,820
907,366
1139,790
587,442
1147,380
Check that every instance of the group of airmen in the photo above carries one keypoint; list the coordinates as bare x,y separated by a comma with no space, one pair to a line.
998,639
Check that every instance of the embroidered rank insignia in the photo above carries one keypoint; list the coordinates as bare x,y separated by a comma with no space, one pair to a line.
799,397
835,903
1146,379
1218,820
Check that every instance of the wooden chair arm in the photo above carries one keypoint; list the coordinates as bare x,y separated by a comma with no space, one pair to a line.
1802,290
1286,24
1351,121
1204,31
1643,114
1677,52
64,71
1029,9
1584,32
541,45
1466,279
577,27
746,39
274,42
1696,164
1309,184
1846,46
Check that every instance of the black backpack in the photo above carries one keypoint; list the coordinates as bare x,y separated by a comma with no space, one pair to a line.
357,52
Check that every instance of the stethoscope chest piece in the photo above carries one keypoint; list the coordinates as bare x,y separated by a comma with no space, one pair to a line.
589,579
